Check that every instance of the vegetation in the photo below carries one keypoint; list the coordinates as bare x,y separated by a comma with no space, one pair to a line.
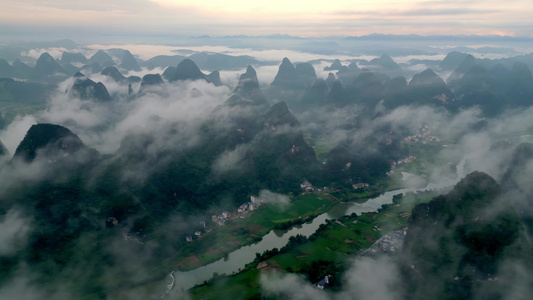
242,231
327,251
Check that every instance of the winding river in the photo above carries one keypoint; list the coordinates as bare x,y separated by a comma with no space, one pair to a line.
237,259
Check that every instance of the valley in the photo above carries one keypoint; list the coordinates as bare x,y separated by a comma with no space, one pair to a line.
208,175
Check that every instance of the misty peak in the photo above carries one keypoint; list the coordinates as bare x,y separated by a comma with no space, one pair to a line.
68,57
452,60
384,62
278,115
129,62
50,138
396,84
248,90
250,74
102,58
386,58
150,80
306,72
330,80
114,73
93,67
466,64
336,65
86,89
188,70
336,94
428,86
45,58
287,77
428,76
250,71
79,75
46,65
214,78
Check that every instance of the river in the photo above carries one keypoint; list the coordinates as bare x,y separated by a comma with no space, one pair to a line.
237,259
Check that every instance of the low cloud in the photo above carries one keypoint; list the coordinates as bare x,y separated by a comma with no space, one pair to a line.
366,278
278,200
14,229
22,288
370,278
34,54
231,160
289,286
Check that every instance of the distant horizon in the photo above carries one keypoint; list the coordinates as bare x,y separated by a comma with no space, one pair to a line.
55,37
302,18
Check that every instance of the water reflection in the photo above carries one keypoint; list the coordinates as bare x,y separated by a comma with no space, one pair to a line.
237,259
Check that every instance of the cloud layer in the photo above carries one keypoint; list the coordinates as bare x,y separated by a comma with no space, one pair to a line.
307,18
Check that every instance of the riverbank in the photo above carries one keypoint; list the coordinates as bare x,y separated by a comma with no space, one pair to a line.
333,245
240,232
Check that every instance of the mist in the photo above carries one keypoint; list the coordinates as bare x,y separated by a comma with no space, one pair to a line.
143,137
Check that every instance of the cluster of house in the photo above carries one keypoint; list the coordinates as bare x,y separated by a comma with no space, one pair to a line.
242,210
409,159
197,234
360,185
324,283
424,136
307,186
391,242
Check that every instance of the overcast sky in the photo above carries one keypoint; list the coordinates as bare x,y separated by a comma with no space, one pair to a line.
250,17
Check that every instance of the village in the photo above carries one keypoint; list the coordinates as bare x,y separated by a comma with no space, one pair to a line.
409,159
220,220
423,136
256,202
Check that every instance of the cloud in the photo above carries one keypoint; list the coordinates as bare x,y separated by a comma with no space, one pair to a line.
369,278
36,53
231,160
22,288
421,12
366,278
104,125
289,286
15,132
281,201
14,229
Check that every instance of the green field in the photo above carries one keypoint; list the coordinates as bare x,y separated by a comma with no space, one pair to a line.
239,232
333,242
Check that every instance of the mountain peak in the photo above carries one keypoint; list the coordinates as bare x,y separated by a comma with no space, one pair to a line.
102,58
150,80
336,65
278,115
214,78
86,89
452,60
427,77
247,88
114,73
129,62
46,65
429,86
187,70
48,139
287,77
79,75
385,62
250,71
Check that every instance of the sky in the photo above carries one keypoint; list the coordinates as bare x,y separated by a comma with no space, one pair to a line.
307,18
